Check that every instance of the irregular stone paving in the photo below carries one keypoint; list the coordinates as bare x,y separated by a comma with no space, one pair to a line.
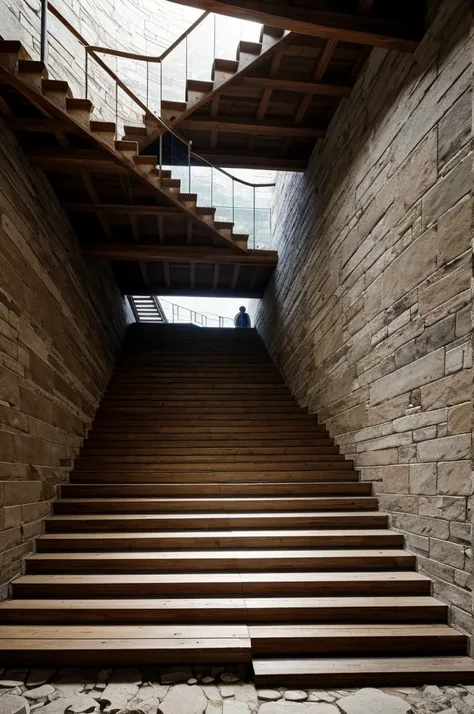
206,690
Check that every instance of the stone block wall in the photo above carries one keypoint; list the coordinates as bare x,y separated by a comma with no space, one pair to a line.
369,312
61,326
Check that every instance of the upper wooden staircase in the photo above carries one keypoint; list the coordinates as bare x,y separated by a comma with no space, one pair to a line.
209,518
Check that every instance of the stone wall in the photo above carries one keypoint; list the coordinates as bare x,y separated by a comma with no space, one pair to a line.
61,325
368,315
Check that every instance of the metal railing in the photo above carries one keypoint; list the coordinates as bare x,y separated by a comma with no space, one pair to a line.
188,159
202,319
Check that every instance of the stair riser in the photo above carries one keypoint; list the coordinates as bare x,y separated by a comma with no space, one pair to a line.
193,564
272,453
61,544
343,504
288,589
344,646
223,614
212,466
95,524
381,678
216,489
147,477
122,653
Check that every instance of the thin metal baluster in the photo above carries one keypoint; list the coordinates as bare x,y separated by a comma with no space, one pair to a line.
212,186
44,32
233,201
161,158
161,84
186,71
116,110
254,217
147,81
214,42
189,166
86,71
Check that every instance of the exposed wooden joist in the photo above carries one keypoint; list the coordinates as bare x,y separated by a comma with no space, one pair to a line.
319,72
177,254
241,128
122,208
264,102
237,160
288,85
134,289
215,277
342,27
94,196
192,275
73,160
235,276
365,5
166,273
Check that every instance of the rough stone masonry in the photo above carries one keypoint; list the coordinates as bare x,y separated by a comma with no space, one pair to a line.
61,325
369,312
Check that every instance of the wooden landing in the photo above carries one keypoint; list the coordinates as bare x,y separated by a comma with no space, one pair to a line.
210,519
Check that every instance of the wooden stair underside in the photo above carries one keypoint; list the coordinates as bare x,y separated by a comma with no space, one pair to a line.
210,519
123,206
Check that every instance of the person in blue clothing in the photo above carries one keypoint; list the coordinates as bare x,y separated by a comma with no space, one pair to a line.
242,319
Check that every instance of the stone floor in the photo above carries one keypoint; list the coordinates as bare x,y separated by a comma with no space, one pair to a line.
206,690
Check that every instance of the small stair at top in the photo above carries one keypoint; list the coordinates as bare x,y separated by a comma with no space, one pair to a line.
211,519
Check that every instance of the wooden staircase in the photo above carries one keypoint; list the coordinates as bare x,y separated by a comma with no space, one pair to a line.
198,93
211,519
53,109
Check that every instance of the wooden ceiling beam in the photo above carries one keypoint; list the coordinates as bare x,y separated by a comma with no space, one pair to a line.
121,208
73,160
288,85
177,254
324,59
365,5
241,128
129,288
343,27
241,161
94,196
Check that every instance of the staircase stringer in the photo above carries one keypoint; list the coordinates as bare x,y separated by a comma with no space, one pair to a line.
270,44
104,138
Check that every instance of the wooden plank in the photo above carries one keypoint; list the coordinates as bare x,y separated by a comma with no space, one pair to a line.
142,210
363,671
161,253
231,127
290,85
342,27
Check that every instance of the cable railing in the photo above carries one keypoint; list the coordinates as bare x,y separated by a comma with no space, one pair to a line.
117,103
176,313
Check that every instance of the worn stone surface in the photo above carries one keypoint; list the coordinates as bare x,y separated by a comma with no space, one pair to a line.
138,691
368,315
12,704
373,701
61,324
184,698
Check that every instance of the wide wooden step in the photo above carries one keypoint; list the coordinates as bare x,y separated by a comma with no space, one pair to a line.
324,584
212,560
106,645
356,640
360,671
375,538
323,462
217,610
223,504
214,488
192,521
272,453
